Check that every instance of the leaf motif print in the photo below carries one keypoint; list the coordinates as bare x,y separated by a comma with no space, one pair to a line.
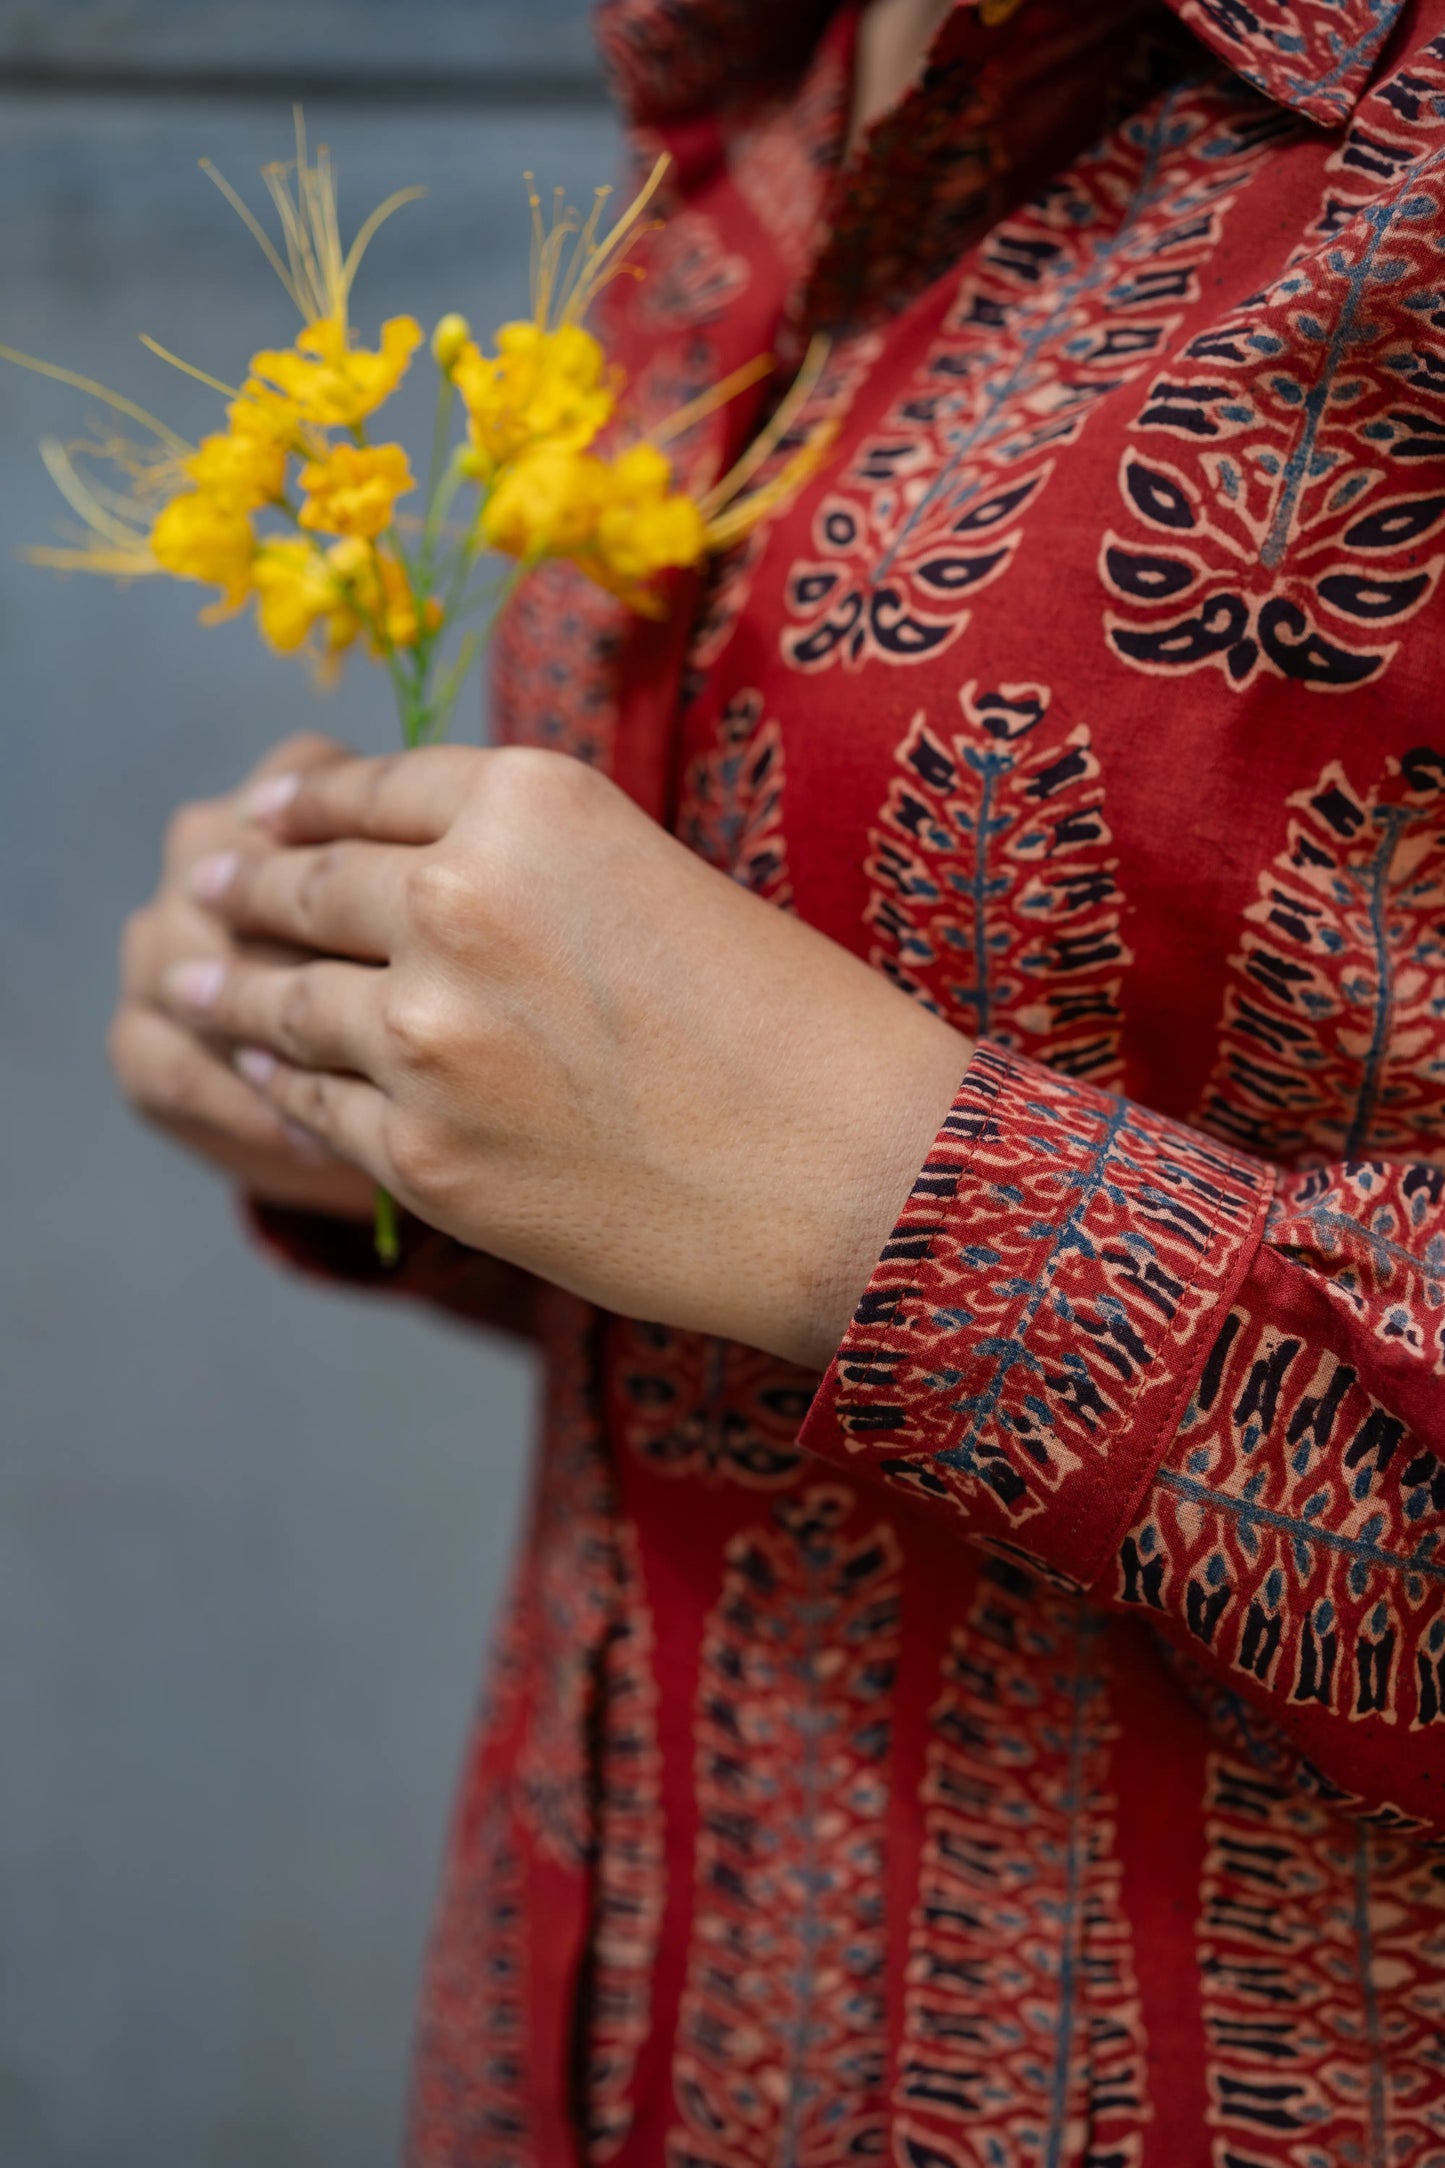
708,1409
731,812
1023,2031
1296,1535
470,2105
574,1594
692,277
1332,1044
554,676
728,586
1398,123
1300,51
781,2046
994,897
631,1864
1285,495
1321,1962
1072,298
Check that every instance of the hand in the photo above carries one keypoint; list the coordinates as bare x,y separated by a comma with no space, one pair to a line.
182,1079
563,1038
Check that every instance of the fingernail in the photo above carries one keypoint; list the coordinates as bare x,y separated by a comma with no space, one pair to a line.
211,877
195,985
305,1146
270,797
256,1065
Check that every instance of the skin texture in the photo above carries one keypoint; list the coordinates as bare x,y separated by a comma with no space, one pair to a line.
562,1038
760,1093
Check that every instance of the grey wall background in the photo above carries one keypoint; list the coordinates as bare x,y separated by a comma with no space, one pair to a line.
251,1534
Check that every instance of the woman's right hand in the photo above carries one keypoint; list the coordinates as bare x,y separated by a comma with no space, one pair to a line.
182,1080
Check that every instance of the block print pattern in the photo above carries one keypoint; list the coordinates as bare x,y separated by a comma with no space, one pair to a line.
1310,53
709,1409
1023,2031
1296,1531
994,896
1010,1345
631,1869
1284,492
1322,1965
1333,1037
1073,298
469,2107
782,2034
731,810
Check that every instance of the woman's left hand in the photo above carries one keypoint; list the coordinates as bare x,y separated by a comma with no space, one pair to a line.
555,1033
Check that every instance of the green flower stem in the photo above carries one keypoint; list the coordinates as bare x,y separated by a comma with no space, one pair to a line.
435,502
388,1234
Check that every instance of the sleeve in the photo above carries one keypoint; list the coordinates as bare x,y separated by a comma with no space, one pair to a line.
432,1267
1202,1389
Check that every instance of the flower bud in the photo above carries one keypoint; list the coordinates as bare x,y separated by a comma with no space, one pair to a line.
451,335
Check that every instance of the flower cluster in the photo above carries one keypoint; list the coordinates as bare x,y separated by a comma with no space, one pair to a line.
285,411
534,410
294,509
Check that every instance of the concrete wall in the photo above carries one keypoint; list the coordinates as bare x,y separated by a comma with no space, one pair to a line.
250,1533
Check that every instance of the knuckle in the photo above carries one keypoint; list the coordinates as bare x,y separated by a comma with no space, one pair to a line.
416,1026
316,881
304,749
417,1156
175,1085
309,1099
529,778
296,1016
442,902
376,781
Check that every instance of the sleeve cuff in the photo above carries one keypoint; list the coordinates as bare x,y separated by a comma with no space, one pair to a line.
431,1268
1033,1330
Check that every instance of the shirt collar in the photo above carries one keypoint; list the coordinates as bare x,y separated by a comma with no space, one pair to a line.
671,56
1314,55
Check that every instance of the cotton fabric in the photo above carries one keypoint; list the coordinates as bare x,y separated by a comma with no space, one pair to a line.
1025,1745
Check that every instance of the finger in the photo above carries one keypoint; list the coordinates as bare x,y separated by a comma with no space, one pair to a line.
206,825
347,1114
402,798
342,898
160,934
176,931
172,1078
316,1015
300,754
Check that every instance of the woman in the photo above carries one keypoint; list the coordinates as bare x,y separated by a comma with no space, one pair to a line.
1025,1744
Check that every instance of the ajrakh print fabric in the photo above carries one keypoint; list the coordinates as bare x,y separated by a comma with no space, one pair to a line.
1023,1747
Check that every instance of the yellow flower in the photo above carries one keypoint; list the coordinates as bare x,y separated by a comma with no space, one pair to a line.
331,383
197,539
541,386
401,620
450,340
295,588
354,488
239,472
544,504
376,586
645,526
263,416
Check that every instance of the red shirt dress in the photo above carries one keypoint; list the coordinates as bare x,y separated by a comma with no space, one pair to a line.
1023,1748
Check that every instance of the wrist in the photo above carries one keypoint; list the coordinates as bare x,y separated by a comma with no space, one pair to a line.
863,1180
